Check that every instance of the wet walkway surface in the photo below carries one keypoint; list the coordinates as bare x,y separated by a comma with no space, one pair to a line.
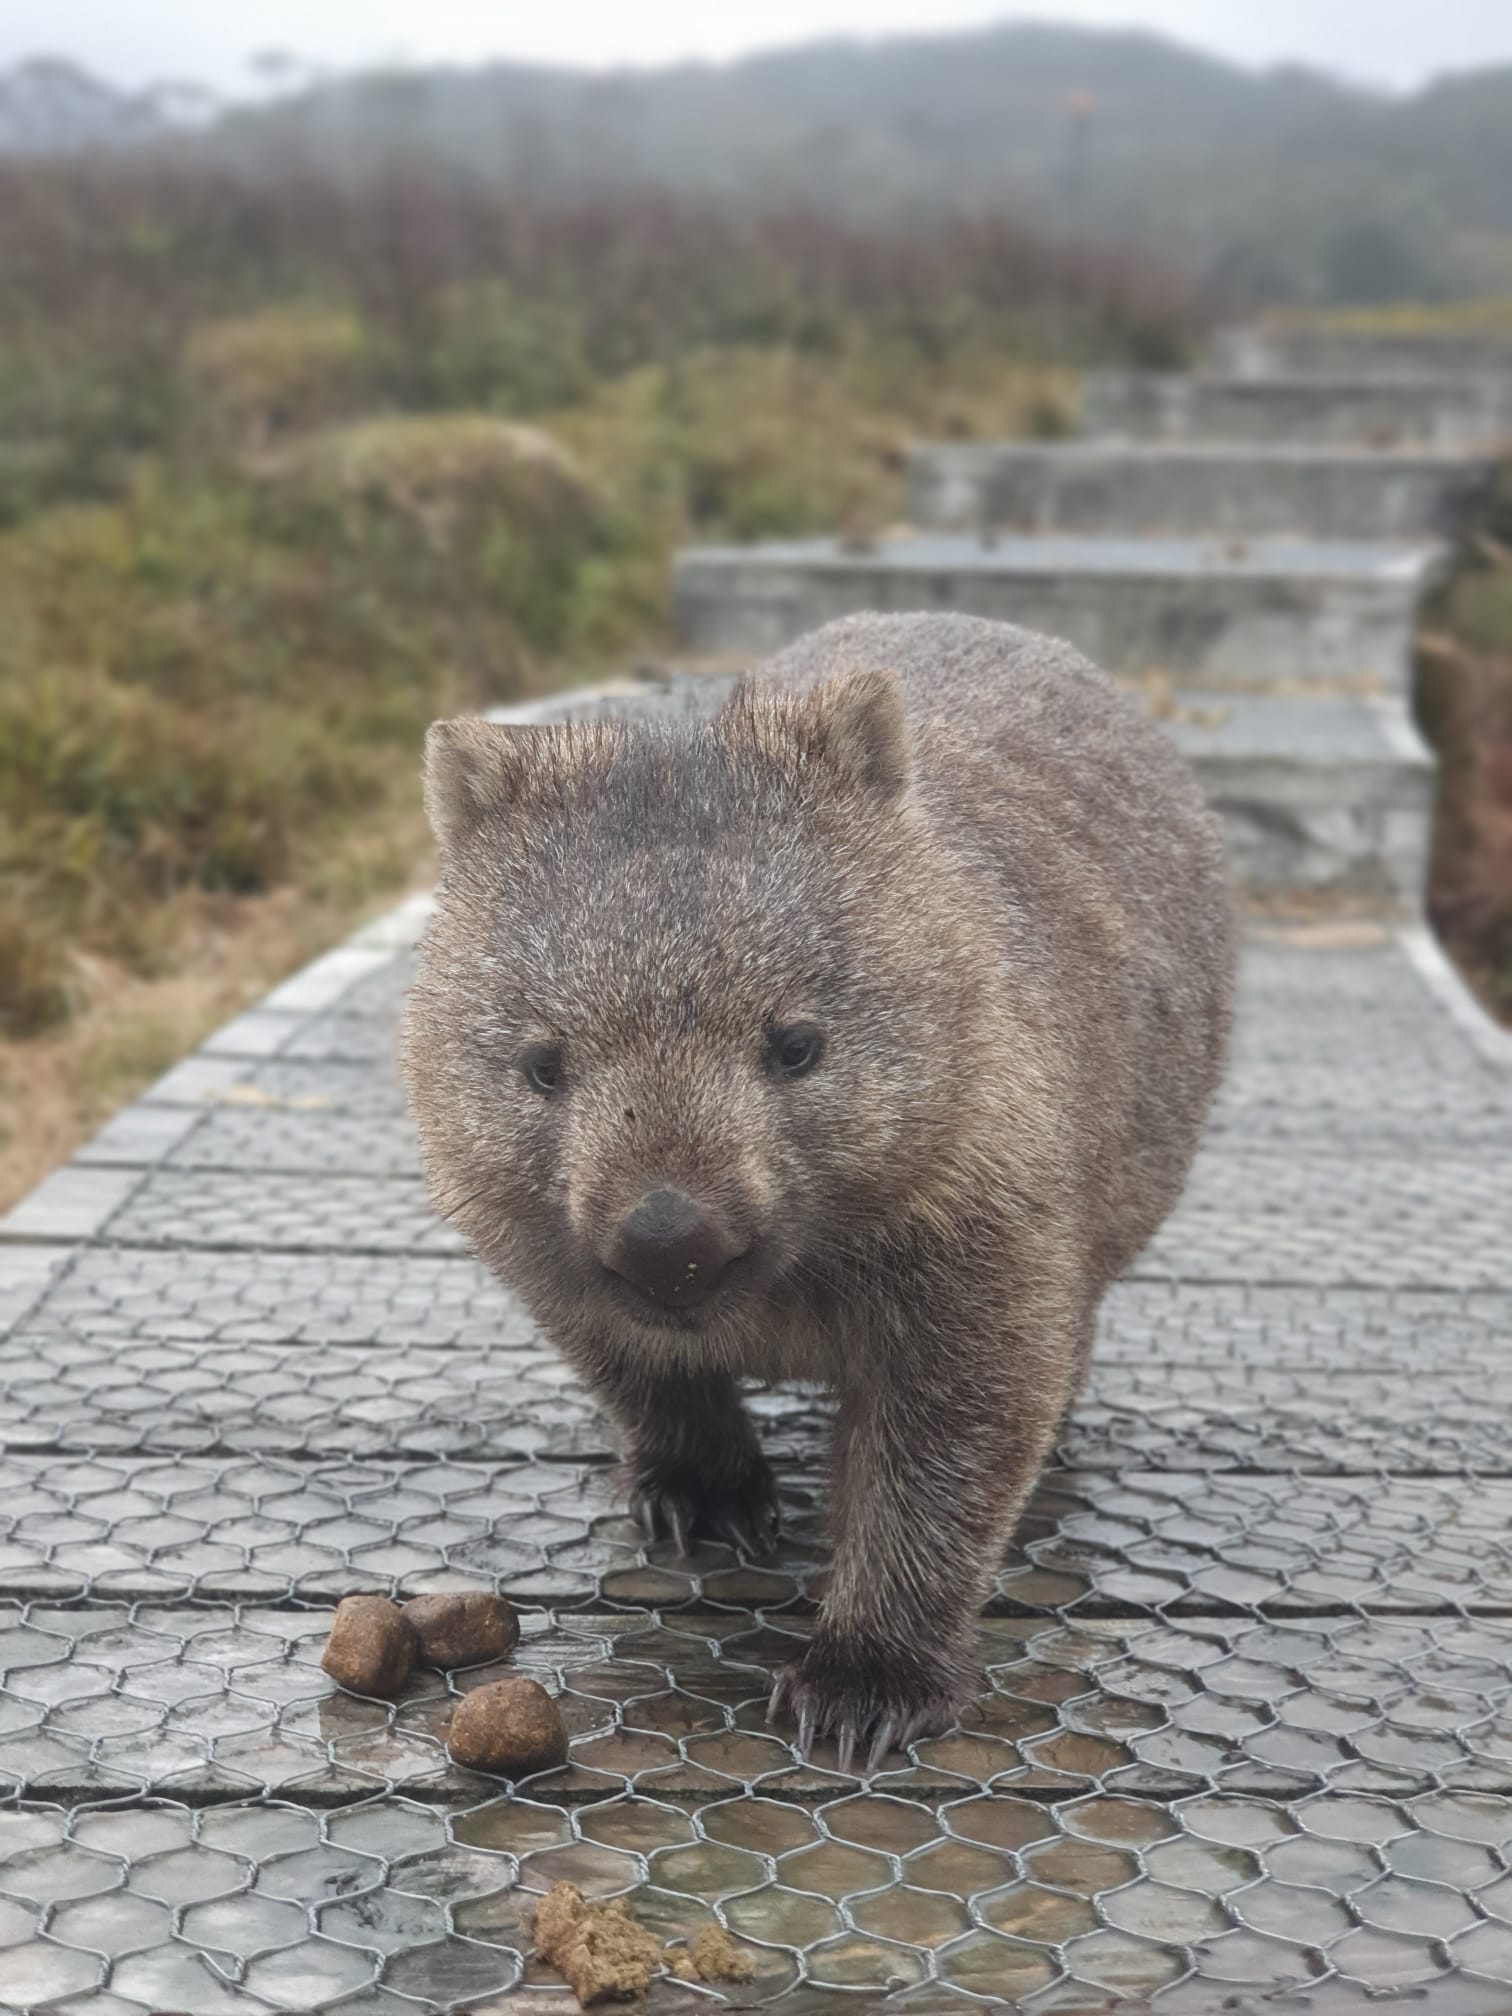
1247,1737
1250,1716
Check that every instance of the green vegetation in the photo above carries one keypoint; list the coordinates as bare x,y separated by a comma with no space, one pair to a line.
254,377
203,684
287,471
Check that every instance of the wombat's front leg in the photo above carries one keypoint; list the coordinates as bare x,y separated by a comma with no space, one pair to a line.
939,1441
691,1461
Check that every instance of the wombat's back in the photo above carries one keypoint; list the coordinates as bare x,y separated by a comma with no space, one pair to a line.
1095,870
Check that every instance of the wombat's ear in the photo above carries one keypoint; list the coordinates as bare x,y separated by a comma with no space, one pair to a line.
472,768
863,726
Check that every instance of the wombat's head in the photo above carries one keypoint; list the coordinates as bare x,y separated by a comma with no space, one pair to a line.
684,1029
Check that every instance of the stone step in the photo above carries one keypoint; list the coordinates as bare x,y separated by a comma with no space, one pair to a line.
1192,488
1233,614
1323,791
1439,409
1317,792
1365,352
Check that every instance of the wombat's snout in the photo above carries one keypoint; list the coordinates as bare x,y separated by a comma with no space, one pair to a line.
672,1249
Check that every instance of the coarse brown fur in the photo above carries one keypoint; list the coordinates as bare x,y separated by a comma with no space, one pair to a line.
959,852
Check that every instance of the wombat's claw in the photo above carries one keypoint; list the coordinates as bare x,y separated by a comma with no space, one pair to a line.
892,1732
779,1702
755,1532
663,1517
805,1730
747,1521
863,1726
883,1741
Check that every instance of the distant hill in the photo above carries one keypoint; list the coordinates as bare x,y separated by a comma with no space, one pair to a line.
1276,184
49,107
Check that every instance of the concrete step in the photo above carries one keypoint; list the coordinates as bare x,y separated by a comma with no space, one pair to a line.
1192,488
1321,793
1364,352
1232,614
1438,409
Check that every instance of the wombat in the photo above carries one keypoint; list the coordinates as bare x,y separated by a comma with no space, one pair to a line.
863,1034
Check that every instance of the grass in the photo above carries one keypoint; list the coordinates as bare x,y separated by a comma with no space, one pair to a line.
289,471
753,443
204,687
127,1027
1490,316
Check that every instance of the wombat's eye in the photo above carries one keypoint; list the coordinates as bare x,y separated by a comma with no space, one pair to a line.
542,1065
796,1050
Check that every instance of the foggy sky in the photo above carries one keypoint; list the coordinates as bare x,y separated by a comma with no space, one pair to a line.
1388,42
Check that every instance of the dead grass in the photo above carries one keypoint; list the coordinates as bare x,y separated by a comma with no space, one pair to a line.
1413,318
57,1089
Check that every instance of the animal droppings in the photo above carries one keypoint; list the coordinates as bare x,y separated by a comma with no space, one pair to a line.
605,1956
510,1727
467,1628
716,1957
597,1947
372,1647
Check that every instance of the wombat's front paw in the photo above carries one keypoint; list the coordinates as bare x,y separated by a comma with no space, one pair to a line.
674,1500
868,1695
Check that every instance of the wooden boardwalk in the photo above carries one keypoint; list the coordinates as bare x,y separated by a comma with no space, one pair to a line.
1248,1736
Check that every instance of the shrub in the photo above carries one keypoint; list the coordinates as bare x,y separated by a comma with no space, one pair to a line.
259,377
268,503
207,685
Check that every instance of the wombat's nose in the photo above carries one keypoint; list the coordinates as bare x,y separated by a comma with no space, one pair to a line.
671,1249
